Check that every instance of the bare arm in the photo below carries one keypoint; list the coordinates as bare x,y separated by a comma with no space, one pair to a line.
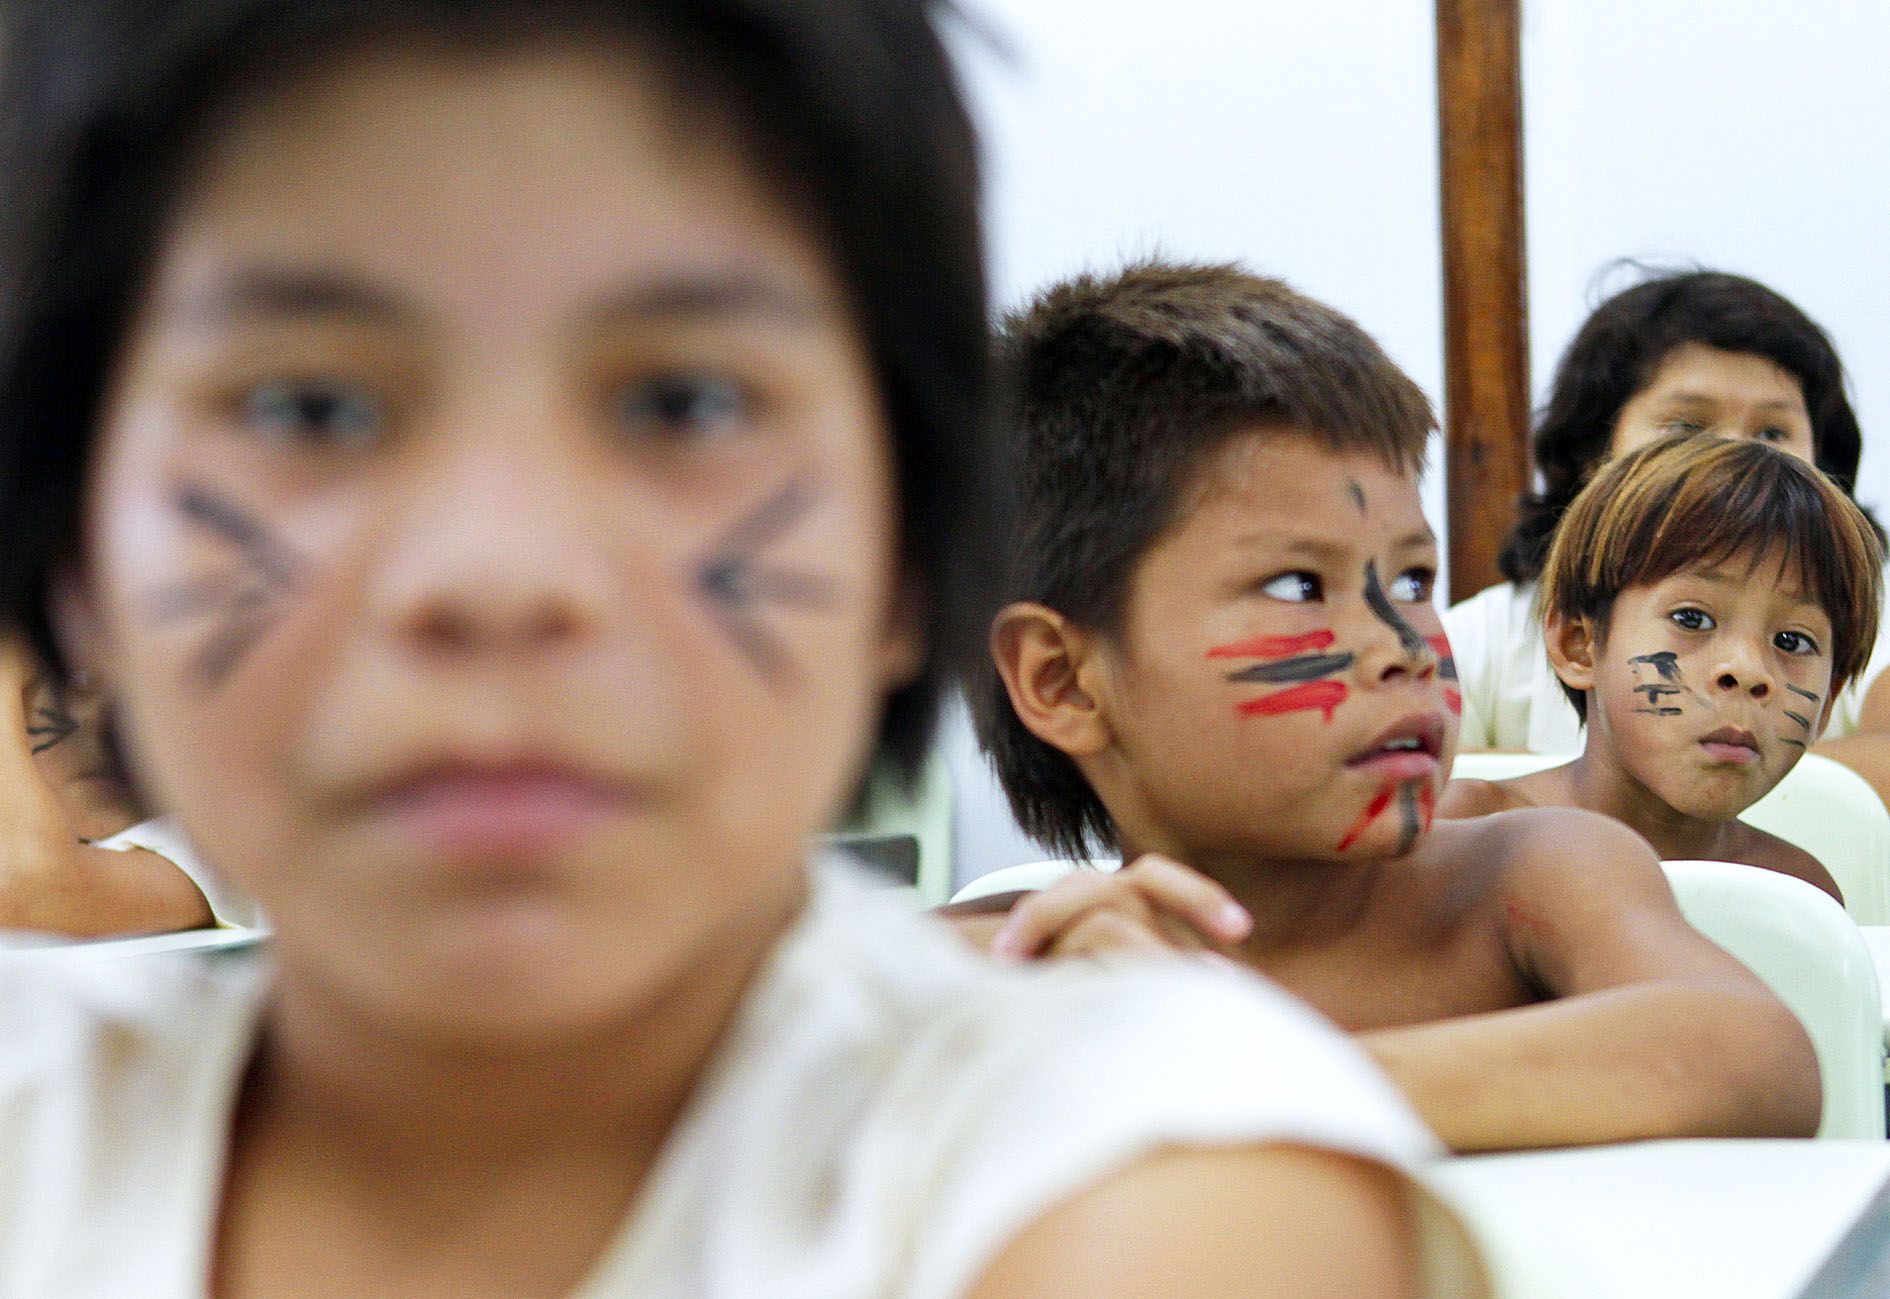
1653,1030
51,881
1151,905
1281,1222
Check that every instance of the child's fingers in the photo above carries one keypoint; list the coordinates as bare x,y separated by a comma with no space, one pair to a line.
1104,933
1036,920
1180,893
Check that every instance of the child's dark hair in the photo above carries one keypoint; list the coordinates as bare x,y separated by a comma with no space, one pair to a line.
1120,387
1616,354
1694,502
849,108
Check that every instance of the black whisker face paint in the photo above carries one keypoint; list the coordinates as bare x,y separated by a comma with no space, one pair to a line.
245,599
51,725
1796,744
1666,663
1409,637
1805,694
1356,492
1800,718
1666,666
731,579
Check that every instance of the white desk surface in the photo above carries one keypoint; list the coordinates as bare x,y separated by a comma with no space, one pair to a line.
1683,1219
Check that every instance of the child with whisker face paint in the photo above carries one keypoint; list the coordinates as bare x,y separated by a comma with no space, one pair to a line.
1703,603
513,463
1223,663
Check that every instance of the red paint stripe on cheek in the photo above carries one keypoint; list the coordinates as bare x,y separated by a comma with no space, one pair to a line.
1454,702
1372,813
1440,646
1273,647
1323,695
1427,801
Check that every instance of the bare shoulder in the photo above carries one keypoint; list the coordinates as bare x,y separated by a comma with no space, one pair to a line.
1761,848
1550,845
1182,1224
1466,797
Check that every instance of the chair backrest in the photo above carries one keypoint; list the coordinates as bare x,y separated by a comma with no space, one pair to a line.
1027,877
1822,806
1811,954
1832,813
906,833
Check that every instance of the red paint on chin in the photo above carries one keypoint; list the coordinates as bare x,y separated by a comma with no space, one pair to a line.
1323,695
1273,647
1372,813
1453,700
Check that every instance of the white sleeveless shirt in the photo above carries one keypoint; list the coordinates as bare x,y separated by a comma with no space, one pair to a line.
884,1115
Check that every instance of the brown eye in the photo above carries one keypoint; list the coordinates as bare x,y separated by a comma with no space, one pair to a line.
1693,619
683,407
313,414
1795,642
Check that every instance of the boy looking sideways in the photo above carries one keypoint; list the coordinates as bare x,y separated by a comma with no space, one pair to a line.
1223,651
1704,602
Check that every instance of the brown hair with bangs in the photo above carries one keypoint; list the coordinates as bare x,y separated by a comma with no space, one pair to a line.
1696,502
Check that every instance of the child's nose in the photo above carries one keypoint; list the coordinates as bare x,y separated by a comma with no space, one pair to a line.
489,554
1391,648
1744,669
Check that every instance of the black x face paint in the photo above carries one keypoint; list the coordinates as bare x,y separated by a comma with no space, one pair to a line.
241,600
739,586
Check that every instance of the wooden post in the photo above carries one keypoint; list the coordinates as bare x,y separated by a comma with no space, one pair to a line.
1486,312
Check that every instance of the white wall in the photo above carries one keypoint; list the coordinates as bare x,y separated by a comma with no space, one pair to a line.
1750,135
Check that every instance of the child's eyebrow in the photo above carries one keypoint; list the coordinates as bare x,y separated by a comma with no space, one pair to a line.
293,294
706,297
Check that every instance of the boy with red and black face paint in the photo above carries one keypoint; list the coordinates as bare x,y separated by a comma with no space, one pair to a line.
1223,652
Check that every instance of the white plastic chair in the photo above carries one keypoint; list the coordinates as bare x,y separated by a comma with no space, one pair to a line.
1832,813
906,834
1811,954
1822,806
1027,877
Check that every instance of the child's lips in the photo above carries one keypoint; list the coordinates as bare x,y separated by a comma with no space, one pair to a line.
1731,744
1411,749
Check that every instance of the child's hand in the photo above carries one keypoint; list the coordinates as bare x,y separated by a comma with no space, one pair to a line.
1153,904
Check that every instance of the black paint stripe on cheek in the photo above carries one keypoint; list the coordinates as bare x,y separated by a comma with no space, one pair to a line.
1800,718
1805,694
1307,667
247,535
1667,663
1796,744
1380,604
1410,824
1356,492
1660,712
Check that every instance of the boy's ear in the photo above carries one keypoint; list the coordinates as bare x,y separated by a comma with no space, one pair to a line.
1048,664
1573,646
